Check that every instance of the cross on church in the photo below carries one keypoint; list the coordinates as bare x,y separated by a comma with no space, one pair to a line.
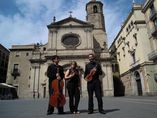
70,13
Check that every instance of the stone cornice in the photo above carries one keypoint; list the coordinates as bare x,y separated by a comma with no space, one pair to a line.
37,60
147,5
136,67
70,26
139,22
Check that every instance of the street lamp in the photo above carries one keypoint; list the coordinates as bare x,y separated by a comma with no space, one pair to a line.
39,72
38,47
34,82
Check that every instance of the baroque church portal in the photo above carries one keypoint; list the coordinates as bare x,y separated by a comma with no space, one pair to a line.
71,39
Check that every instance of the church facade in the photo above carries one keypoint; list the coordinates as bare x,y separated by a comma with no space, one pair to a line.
72,40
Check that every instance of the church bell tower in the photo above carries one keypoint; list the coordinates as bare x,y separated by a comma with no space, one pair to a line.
95,15
94,10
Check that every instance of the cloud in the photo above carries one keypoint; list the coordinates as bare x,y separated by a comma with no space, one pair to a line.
28,24
115,14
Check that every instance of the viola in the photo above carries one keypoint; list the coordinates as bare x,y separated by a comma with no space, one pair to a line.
57,99
89,77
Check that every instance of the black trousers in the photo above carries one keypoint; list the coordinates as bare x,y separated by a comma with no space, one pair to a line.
51,108
74,96
94,86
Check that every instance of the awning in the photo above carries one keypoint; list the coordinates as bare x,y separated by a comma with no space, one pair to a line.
4,85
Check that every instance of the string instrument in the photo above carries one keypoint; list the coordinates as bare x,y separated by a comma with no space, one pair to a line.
89,77
73,72
57,99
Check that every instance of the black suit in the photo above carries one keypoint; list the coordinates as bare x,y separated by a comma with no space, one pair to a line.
51,73
94,85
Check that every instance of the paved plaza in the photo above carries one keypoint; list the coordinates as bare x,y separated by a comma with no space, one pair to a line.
116,107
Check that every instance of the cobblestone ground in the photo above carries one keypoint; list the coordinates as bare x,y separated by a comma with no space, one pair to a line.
116,107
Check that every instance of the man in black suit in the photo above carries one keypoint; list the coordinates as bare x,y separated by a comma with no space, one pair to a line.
54,71
94,85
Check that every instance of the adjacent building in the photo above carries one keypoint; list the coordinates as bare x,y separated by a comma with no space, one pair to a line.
130,50
4,58
71,39
150,11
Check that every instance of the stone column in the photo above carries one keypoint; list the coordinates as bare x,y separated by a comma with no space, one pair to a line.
107,80
50,40
54,39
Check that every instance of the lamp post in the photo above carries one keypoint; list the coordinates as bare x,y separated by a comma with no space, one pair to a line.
34,82
38,48
39,59
39,72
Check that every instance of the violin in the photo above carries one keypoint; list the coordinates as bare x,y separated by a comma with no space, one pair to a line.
57,99
89,77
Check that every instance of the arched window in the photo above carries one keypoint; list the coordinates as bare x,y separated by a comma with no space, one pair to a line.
95,9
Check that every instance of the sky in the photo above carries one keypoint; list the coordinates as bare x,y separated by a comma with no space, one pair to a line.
25,22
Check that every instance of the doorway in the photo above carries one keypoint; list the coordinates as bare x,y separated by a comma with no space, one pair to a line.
138,82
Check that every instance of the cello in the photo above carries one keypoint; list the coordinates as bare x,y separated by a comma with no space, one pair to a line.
57,99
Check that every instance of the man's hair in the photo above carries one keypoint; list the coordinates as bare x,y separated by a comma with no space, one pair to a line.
54,57
92,54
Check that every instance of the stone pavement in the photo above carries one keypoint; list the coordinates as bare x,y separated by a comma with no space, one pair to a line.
116,107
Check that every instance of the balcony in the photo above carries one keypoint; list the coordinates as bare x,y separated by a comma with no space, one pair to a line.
15,73
152,55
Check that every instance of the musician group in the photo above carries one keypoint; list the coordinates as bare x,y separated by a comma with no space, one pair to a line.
56,75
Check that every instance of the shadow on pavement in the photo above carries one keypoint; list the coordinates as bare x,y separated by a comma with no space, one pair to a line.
111,110
95,111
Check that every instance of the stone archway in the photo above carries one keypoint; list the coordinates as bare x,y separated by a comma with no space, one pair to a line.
138,82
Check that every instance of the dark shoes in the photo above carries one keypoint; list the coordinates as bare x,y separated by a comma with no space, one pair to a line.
102,112
49,113
61,112
90,112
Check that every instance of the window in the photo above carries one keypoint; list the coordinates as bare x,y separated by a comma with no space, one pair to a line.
0,53
123,48
95,9
129,26
7,58
27,54
3,56
2,63
17,54
44,48
16,66
15,71
155,77
132,23
119,40
133,57
70,40
155,23
126,29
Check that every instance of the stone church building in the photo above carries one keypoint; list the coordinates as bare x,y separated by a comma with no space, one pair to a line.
70,39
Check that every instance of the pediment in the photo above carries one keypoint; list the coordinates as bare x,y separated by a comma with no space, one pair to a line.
70,21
